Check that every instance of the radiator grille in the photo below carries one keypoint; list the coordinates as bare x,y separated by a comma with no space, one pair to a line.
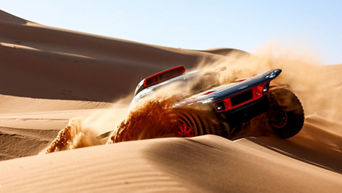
242,97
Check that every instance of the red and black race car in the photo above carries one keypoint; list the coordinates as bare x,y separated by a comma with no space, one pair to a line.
229,106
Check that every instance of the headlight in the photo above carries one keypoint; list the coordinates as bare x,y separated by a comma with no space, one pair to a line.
273,74
219,106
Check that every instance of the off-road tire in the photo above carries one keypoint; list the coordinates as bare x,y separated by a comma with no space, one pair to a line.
285,113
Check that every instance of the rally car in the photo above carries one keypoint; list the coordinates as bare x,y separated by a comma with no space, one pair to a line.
231,105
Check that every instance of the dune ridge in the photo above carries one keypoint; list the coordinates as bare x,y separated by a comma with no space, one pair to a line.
9,18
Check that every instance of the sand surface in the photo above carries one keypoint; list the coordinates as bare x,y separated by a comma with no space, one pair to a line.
49,75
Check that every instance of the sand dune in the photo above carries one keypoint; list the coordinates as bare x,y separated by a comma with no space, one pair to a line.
202,164
59,67
49,76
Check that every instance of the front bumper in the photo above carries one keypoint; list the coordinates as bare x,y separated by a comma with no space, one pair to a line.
245,112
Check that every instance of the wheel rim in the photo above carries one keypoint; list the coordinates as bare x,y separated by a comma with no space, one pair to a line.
185,131
278,118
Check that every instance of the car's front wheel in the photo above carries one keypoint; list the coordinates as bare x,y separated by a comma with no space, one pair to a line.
285,113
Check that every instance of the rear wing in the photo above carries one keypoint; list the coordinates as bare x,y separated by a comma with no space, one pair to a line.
160,77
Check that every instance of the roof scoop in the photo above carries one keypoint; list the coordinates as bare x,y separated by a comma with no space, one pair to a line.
164,75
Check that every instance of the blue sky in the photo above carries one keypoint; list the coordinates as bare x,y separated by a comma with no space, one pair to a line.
198,24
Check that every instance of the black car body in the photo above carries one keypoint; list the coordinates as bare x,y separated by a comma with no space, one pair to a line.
233,103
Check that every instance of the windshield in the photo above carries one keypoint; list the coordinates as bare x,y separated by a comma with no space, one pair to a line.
195,82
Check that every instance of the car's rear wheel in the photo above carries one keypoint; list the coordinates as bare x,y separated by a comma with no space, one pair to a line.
199,122
285,113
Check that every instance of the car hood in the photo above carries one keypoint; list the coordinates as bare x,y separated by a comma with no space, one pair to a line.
224,91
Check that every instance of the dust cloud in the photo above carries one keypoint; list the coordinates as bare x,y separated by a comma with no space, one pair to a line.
85,131
318,89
